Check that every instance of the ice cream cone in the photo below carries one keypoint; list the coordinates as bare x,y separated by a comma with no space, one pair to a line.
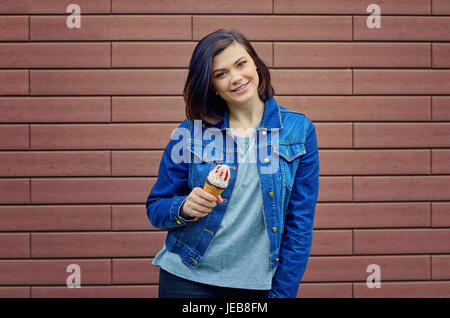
210,188
220,175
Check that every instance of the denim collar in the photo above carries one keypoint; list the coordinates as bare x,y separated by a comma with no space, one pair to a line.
271,117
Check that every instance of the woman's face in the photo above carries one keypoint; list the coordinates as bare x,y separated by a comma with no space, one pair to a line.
234,75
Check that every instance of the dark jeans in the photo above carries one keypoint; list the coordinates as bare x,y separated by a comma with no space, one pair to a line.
171,286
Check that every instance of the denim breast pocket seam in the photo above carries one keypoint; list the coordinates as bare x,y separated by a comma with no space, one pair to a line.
289,153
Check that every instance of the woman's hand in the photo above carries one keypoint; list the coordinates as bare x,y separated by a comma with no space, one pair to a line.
199,203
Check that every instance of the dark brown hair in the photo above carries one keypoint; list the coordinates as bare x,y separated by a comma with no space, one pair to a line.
199,96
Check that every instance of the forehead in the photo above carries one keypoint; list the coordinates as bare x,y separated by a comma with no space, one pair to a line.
228,56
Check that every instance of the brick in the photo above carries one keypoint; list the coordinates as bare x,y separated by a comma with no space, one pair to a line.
14,82
332,242
440,7
14,245
401,135
151,54
403,290
440,159
53,272
106,82
55,109
441,54
112,28
350,7
334,135
150,291
410,241
14,191
367,162
326,82
278,28
401,81
354,268
192,6
440,266
108,136
440,216
14,137
130,218
441,108
148,109
335,189
53,6
55,218
339,54
135,163
13,28
15,292
55,55
55,163
397,28
156,54
90,190
325,290
372,215
360,108
100,244
135,271
402,188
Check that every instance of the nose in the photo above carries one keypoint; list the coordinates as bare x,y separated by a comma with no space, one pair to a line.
236,77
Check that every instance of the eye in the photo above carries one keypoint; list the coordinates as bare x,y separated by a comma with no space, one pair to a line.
243,62
219,75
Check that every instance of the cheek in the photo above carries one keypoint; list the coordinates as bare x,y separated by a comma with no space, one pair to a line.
218,85
255,78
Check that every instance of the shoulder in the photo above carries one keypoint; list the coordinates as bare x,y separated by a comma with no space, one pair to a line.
296,124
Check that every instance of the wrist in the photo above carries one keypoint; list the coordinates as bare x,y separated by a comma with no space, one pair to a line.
183,214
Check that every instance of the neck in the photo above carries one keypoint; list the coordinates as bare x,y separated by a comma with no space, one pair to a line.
246,115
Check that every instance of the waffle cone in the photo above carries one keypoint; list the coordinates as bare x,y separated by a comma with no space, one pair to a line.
215,191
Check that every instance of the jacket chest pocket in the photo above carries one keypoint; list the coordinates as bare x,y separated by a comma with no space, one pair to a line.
289,157
204,158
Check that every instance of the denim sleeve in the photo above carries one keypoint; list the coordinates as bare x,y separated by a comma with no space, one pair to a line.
298,230
171,188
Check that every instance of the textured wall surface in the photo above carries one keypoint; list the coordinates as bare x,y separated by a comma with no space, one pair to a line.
85,113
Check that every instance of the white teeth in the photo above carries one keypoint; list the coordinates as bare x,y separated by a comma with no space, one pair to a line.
240,87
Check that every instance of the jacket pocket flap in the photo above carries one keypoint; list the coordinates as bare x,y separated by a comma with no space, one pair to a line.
289,152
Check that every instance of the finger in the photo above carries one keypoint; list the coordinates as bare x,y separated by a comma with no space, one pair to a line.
200,215
205,195
200,201
219,199
199,208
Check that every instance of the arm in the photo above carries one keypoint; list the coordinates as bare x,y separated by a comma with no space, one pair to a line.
171,188
298,229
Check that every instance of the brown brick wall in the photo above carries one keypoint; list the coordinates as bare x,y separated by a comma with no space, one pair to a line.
85,114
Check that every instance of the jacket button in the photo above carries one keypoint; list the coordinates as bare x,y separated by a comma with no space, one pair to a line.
266,160
277,259
271,194
274,229
178,222
264,132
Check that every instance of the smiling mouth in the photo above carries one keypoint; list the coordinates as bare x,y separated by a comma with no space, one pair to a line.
243,86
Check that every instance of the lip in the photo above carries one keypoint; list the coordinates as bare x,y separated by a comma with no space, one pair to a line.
242,89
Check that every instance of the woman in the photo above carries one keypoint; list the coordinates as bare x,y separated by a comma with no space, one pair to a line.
254,238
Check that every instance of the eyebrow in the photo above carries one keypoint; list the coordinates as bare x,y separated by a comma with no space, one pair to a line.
222,69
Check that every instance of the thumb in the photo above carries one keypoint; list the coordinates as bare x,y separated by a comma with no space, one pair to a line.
219,199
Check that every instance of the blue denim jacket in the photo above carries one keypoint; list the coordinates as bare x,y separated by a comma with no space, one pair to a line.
288,167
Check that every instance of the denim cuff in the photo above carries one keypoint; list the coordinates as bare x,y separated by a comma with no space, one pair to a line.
175,210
